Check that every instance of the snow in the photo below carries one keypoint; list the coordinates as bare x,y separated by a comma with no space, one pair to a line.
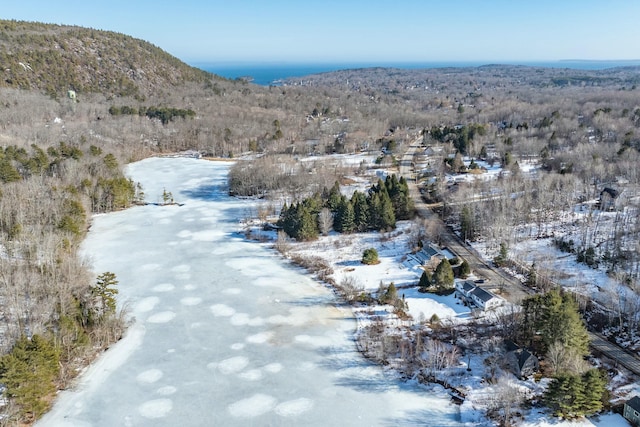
225,332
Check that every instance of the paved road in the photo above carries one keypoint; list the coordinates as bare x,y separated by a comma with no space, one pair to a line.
507,286
612,351
512,289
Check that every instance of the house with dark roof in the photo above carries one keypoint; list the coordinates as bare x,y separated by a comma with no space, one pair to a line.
520,361
611,199
477,296
632,411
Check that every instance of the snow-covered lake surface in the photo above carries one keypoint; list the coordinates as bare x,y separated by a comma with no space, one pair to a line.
225,332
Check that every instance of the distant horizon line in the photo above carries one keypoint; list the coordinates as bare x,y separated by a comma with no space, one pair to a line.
406,62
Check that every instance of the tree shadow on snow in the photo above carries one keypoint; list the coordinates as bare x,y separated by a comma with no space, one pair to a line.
422,418
207,192
354,372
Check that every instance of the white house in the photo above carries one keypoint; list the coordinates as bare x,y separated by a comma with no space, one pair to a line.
475,295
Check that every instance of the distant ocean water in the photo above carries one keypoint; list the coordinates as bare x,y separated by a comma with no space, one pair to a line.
272,73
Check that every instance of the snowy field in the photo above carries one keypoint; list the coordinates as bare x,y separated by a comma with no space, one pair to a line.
226,333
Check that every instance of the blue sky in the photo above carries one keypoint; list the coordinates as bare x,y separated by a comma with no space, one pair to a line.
351,31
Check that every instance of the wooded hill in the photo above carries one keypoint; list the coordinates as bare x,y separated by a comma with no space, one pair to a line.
61,160
57,58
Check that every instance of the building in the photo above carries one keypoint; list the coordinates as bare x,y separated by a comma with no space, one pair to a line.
611,199
632,411
520,361
477,296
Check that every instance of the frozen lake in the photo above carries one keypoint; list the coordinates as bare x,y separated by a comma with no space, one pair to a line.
226,333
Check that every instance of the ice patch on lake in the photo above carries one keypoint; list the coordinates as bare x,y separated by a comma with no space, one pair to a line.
254,406
273,368
265,281
240,319
232,365
207,235
162,317
307,366
251,375
190,301
315,341
146,305
260,338
224,250
158,408
222,310
296,317
294,407
164,287
166,390
150,376
182,268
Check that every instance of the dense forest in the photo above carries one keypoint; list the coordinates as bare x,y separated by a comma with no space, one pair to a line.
77,105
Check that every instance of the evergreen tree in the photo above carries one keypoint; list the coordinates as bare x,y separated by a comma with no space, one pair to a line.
554,317
370,256
347,216
375,211
308,225
8,173
573,396
105,291
28,372
443,275
465,269
360,210
503,256
425,281
387,216
595,386
334,199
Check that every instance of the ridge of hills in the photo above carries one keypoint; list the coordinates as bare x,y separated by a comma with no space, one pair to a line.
57,58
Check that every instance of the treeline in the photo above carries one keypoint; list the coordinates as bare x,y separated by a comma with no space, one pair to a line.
378,209
56,58
164,114
552,326
460,136
54,315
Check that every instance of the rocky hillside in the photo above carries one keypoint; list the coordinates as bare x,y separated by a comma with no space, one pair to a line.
55,59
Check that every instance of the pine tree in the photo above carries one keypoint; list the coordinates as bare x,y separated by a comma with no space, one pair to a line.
334,199
105,291
387,216
390,295
503,256
375,212
370,256
308,225
347,216
465,269
425,281
28,373
360,210
594,388
555,317
443,275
